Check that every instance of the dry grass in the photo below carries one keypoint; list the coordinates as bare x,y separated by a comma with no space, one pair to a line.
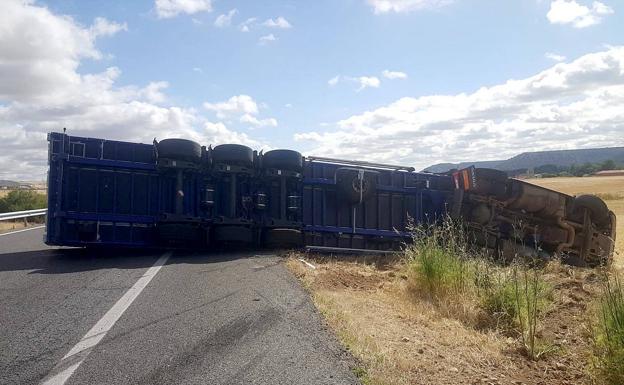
6,226
402,338
585,185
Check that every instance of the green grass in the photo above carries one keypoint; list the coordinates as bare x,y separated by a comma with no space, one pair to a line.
497,298
531,297
438,257
362,375
610,332
515,297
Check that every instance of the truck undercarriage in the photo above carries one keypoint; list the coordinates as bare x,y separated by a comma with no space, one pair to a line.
177,193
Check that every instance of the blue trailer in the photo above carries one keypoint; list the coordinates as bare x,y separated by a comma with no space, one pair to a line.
177,193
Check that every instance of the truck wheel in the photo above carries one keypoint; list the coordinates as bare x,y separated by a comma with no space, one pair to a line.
598,210
233,234
283,238
234,154
352,188
283,160
179,149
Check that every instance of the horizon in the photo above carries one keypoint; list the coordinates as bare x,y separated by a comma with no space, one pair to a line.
415,82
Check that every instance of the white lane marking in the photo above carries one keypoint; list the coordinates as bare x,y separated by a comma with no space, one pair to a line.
72,360
21,231
311,266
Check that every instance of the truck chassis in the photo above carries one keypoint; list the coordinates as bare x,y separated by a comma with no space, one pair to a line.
176,193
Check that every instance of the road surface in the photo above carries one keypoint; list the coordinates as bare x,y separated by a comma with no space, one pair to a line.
72,316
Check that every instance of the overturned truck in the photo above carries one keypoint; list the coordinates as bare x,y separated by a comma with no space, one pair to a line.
177,193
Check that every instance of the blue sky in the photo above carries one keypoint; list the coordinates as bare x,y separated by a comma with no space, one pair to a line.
444,48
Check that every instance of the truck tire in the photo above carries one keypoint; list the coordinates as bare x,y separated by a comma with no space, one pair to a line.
283,238
234,154
351,188
179,149
598,210
233,234
283,160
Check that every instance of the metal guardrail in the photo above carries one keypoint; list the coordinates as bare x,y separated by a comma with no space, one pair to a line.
22,214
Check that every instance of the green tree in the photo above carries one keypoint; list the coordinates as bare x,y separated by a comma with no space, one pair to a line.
607,165
19,200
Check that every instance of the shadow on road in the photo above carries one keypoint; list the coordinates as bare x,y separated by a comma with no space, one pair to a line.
61,261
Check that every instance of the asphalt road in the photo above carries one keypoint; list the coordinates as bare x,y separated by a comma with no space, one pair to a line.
236,318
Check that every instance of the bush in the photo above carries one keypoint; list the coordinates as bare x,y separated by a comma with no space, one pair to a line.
610,333
437,257
497,298
19,200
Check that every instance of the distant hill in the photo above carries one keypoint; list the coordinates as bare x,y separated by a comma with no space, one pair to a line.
528,160
8,183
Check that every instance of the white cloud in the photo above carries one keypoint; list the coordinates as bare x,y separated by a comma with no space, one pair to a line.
288,105
198,70
580,16
266,39
225,20
153,92
554,57
394,74
254,121
362,81
243,107
171,8
42,91
570,105
103,27
367,81
236,105
280,22
246,25
399,6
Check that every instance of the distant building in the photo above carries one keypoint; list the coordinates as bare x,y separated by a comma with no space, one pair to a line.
610,173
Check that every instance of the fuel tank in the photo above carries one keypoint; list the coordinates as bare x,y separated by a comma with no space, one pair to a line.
536,200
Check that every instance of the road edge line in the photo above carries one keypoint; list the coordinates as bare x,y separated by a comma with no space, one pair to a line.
77,354
22,230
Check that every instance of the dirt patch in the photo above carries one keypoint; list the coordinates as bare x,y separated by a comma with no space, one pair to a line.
402,340
342,276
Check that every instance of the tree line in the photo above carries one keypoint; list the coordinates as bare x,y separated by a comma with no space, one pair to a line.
19,200
551,170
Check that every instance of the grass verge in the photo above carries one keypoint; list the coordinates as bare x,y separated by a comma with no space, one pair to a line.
610,331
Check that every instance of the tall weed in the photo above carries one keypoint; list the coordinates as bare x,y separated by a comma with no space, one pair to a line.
531,297
610,334
438,258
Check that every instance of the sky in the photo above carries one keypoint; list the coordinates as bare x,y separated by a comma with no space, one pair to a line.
411,82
